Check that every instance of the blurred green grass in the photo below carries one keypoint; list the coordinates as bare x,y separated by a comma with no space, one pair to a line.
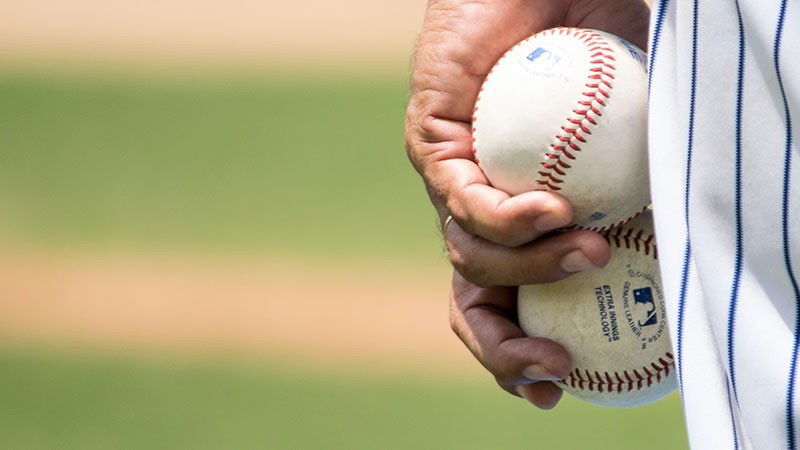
80,402
311,165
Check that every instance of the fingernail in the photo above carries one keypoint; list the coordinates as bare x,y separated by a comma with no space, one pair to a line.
576,261
549,221
537,372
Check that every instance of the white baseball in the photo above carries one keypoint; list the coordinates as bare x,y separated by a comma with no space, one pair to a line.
612,321
566,111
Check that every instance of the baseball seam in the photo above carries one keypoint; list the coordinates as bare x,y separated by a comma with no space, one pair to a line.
578,126
631,237
620,382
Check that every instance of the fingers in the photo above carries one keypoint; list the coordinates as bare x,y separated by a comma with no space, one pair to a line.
457,186
547,259
485,319
493,214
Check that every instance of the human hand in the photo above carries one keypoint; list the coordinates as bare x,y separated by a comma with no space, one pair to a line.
496,239
493,237
485,319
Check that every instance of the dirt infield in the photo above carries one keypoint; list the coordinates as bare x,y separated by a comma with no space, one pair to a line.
250,32
374,314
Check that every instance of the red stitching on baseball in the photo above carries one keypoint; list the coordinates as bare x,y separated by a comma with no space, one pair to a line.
601,55
624,381
622,235
556,169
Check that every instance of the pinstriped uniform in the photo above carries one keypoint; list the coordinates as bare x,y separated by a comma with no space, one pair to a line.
725,173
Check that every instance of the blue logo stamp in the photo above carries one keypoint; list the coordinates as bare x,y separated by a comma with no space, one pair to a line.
597,215
547,60
644,296
645,312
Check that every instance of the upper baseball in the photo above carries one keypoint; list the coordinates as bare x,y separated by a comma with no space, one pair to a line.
566,111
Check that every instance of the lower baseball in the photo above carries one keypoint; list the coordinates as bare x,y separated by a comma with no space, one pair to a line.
612,321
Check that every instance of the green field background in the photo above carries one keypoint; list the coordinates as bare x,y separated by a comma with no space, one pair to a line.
314,165
311,167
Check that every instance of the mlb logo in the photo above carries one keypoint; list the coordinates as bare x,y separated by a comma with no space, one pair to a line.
597,215
644,297
544,58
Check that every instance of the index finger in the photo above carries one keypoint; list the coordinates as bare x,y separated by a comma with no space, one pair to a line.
482,210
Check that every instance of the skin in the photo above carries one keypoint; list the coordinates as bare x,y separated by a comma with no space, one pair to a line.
497,241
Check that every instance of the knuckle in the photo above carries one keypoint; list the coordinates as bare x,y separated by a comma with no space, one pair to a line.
417,132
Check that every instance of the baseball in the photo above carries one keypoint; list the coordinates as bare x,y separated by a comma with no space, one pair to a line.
566,111
612,321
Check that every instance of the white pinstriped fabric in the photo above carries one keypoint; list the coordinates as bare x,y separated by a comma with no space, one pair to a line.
725,173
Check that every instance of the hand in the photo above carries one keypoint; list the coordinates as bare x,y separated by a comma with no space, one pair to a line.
497,239
485,319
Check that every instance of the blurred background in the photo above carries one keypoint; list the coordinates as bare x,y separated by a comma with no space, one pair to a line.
210,237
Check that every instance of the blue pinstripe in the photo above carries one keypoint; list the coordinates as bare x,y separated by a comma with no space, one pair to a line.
791,437
737,270
660,14
687,254
733,421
